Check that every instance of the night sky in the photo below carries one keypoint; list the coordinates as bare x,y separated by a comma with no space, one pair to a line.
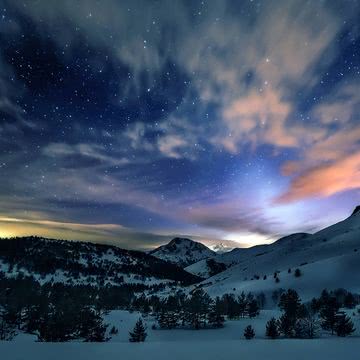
130,122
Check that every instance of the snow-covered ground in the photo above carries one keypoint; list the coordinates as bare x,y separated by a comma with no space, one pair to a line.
334,349
329,259
226,343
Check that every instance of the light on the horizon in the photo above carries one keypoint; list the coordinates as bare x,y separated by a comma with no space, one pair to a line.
249,239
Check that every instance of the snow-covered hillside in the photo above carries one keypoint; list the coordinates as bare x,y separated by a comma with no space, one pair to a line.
183,252
238,255
329,259
72,262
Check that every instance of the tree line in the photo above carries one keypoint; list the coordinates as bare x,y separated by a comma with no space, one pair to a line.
300,320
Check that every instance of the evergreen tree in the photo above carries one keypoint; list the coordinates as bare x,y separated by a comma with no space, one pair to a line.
92,327
7,331
286,325
272,329
307,327
139,333
249,332
290,304
197,307
297,273
114,331
242,303
167,319
328,311
315,305
160,318
344,326
261,300
349,301
253,308
215,317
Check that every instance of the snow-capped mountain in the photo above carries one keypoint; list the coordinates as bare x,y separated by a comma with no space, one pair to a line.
183,252
329,259
238,255
75,262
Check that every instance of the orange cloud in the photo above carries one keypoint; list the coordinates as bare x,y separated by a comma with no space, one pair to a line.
325,180
258,118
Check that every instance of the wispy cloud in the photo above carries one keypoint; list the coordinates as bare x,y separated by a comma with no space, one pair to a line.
83,151
325,180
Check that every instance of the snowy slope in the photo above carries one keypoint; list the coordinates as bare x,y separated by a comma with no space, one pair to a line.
183,252
329,258
238,255
73,262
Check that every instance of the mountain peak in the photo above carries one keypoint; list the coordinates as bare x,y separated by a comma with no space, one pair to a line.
183,251
179,240
356,210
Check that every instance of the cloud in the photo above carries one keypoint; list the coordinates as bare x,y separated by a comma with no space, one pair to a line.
170,146
76,152
338,108
171,138
258,118
329,163
13,120
230,215
113,234
290,38
325,180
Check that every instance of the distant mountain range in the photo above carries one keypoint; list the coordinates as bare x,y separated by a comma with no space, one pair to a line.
329,259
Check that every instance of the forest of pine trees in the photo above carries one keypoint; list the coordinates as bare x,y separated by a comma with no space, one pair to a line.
200,311
300,320
58,312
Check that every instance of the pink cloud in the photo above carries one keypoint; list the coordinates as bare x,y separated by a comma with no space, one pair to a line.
325,180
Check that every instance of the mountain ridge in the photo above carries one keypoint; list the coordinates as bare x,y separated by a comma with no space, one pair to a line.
183,251
86,262
328,258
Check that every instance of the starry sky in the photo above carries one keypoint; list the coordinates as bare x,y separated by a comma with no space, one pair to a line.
130,122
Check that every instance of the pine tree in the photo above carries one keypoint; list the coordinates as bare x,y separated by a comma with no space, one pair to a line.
307,327
114,331
349,301
290,304
92,327
249,332
297,273
215,317
7,331
139,333
286,325
198,306
272,329
167,320
344,326
161,320
253,308
328,311
242,304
